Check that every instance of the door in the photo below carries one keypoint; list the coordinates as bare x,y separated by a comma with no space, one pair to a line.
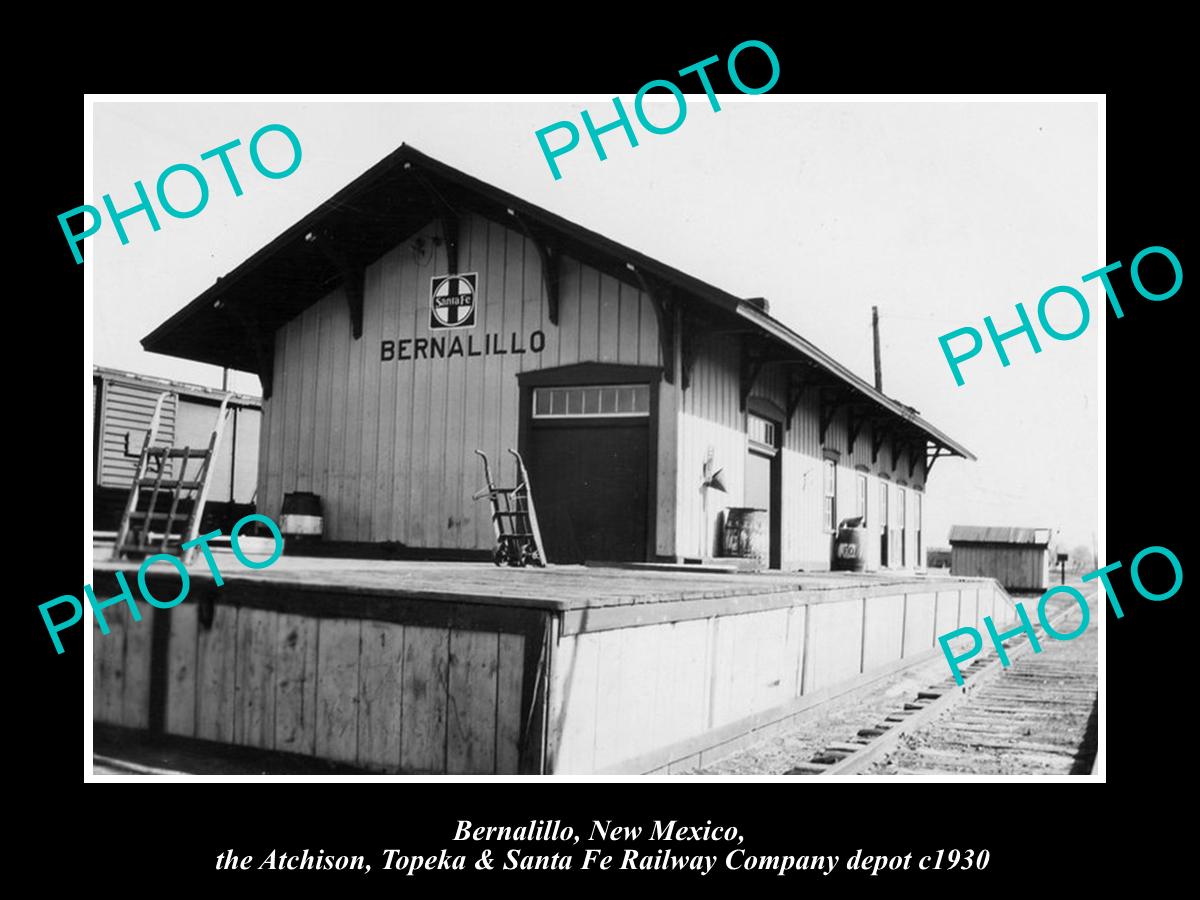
764,478
589,470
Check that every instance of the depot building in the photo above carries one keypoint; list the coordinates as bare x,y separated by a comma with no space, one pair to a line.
421,314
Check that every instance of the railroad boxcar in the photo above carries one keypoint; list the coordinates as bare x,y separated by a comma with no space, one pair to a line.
122,405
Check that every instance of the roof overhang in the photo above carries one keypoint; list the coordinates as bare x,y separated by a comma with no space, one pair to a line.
812,356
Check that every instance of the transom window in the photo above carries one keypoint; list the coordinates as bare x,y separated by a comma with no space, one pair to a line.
591,400
761,433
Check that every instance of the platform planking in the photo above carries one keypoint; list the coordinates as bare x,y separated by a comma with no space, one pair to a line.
946,614
757,667
650,696
574,701
254,691
181,671
379,708
774,670
610,736
471,703
883,626
919,621
216,676
684,660
639,686
135,699
338,657
374,668
296,684
110,676
424,689
509,683
556,587
836,653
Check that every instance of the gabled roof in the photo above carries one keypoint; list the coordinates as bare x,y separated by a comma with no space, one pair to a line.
996,534
231,323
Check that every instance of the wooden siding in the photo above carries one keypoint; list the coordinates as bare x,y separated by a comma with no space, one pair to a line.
121,666
405,683
658,696
388,445
379,695
1015,566
710,416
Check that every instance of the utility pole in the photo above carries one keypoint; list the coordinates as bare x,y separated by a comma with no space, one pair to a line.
878,363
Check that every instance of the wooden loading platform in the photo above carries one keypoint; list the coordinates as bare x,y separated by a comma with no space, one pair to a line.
465,668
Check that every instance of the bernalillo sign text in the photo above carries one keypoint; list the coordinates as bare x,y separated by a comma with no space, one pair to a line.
488,344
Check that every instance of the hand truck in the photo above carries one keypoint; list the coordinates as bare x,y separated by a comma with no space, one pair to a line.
518,539
185,489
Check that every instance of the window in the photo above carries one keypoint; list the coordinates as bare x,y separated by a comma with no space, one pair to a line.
830,494
761,433
903,523
861,497
592,400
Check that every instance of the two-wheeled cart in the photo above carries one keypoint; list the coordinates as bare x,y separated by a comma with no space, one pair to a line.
514,520
180,476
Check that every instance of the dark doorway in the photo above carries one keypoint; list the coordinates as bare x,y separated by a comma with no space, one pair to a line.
590,480
883,524
764,478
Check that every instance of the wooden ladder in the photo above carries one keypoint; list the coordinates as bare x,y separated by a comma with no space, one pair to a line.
150,530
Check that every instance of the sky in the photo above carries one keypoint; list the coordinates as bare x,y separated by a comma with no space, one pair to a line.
937,213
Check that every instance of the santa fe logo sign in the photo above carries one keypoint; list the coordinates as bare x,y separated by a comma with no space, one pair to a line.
452,301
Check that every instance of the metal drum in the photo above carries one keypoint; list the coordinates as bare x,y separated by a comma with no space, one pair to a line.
747,533
850,546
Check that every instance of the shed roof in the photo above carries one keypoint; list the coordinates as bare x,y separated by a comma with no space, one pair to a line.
232,322
998,534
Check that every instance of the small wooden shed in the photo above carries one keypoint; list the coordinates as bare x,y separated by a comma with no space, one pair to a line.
1019,558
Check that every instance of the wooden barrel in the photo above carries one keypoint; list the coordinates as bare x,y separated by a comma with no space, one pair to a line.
747,533
850,546
301,515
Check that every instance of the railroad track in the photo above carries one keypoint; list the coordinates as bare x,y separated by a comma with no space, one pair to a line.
1038,716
